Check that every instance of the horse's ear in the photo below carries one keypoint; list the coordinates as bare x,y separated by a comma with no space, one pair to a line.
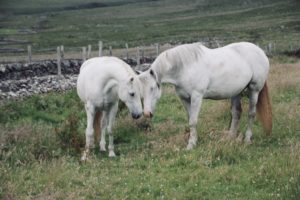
151,72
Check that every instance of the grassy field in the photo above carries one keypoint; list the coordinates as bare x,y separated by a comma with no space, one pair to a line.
41,138
74,23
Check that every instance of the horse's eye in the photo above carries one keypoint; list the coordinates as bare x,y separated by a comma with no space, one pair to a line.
131,94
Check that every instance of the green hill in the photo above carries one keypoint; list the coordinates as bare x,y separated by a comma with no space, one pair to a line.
75,23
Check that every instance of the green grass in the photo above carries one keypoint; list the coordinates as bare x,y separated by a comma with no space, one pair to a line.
148,22
41,139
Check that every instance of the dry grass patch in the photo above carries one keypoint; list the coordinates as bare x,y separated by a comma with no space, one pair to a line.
284,75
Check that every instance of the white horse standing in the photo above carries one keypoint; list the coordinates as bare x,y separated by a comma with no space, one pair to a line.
101,82
200,73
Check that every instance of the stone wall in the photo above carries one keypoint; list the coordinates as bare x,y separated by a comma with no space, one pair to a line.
18,80
17,71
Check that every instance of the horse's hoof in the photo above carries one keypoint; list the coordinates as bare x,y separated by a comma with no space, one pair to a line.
111,154
240,138
84,156
190,146
248,141
102,148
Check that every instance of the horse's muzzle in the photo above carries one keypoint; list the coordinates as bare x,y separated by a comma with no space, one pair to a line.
135,115
148,114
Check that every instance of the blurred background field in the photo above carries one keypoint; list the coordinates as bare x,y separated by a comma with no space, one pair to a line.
73,23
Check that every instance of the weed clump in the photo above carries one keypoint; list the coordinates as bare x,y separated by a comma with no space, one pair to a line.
26,144
69,136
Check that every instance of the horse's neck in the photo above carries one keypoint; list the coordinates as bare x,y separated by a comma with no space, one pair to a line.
166,73
122,75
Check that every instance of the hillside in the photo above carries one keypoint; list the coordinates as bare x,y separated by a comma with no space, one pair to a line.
75,23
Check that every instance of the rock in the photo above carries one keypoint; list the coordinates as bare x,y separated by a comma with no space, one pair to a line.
12,94
142,67
17,67
2,68
4,88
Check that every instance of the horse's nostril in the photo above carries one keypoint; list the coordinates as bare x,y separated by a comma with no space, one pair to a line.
135,116
148,114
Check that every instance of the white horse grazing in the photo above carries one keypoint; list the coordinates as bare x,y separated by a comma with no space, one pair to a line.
101,82
200,73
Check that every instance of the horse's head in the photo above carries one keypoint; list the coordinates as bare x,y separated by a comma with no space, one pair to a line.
151,91
130,94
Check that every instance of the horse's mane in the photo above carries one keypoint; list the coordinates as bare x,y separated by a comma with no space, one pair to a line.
180,56
129,70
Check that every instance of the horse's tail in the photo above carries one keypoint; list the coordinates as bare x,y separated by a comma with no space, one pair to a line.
264,109
97,125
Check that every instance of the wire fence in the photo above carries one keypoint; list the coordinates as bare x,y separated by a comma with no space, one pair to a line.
61,52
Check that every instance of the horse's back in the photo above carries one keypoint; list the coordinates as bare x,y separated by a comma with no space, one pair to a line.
234,67
252,54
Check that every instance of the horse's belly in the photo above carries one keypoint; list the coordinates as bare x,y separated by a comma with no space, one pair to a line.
222,94
227,89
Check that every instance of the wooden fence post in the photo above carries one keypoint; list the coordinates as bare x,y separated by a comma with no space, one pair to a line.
270,48
62,52
110,50
138,59
84,54
127,54
89,51
29,53
100,48
143,53
59,61
217,43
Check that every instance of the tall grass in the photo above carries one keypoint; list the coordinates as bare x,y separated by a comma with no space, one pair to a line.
39,153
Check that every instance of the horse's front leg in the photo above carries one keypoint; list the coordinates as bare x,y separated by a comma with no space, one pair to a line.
89,132
112,116
196,101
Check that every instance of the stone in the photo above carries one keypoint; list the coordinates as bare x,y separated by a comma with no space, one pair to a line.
2,68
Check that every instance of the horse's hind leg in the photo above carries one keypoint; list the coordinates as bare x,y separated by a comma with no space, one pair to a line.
89,132
104,122
111,119
236,111
253,97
